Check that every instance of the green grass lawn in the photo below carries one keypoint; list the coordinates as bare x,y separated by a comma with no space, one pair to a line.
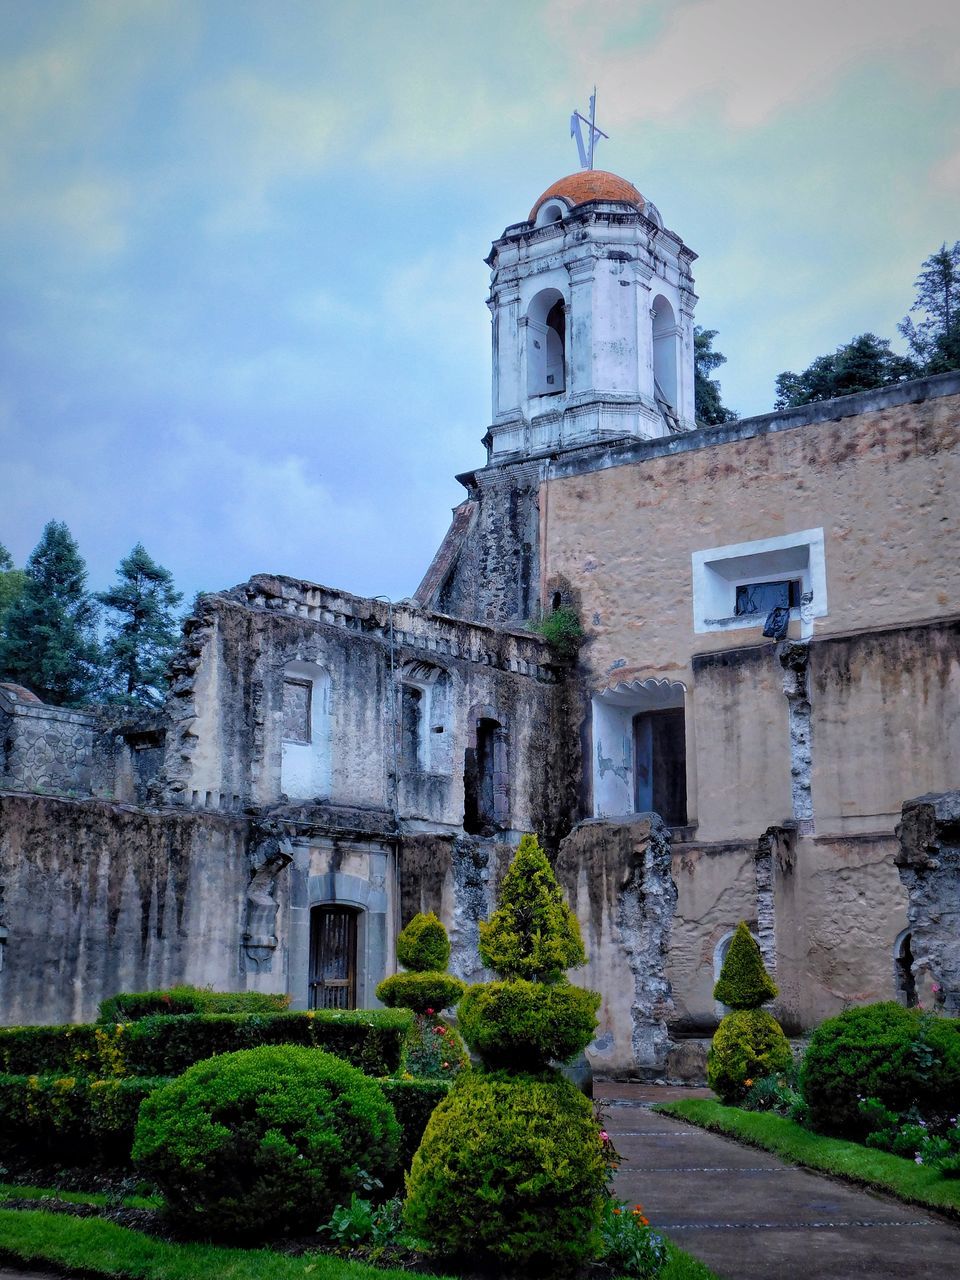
903,1178
11,1191
102,1248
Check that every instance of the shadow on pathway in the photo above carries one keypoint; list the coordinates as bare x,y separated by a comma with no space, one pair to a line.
749,1216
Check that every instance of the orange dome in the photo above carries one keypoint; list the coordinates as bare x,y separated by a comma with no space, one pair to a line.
592,184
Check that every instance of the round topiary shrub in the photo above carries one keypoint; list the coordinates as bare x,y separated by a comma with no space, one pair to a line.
420,991
748,1044
903,1057
510,1172
526,1024
264,1141
423,944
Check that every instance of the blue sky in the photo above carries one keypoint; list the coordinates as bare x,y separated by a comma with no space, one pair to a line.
242,270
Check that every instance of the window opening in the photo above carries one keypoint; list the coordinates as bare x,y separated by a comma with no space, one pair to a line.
297,707
546,343
484,780
660,764
333,958
413,743
761,597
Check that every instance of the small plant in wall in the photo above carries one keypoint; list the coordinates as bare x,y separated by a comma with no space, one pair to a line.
562,630
434,1047
749,1042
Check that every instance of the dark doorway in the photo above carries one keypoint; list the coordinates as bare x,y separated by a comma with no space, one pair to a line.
481,767
333,958
660,765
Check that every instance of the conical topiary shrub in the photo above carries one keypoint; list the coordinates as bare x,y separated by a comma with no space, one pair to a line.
744,982
510,1172
434,1048
749,1042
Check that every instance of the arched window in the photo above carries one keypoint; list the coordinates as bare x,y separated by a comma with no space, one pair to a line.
305,770
665,339
546,323
486,798
425,738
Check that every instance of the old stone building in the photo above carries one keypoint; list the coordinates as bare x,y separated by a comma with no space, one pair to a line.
327,765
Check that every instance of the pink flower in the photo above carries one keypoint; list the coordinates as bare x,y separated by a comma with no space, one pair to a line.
604,1136
430,1011
441,1031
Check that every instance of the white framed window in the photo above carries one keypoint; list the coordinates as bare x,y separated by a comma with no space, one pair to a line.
736,586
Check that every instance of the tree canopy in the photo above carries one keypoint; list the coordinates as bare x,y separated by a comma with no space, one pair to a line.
49,643
859,365
12,581
142,630
708,408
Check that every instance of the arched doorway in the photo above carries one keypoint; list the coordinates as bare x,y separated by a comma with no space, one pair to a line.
333,957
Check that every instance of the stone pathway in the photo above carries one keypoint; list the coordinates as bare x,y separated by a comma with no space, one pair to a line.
749,1216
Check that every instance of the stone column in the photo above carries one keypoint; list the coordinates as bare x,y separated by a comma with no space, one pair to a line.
929,866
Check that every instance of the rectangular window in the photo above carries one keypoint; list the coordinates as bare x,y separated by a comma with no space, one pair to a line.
761,597
297,699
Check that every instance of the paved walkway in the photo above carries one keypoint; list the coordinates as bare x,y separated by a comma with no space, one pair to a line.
749,1216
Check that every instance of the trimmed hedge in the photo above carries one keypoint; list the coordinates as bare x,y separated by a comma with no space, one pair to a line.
128,1006
413,1102
421,991
902,1057
69,1120
423,945
265,1141
527,1024
165,1045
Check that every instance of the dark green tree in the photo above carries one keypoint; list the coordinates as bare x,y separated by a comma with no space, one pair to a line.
708,408
744,982
49,642
12,582
935,339
862,364
142,630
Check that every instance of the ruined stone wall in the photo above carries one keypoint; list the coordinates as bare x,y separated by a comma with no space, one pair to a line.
617,876
99,898
928,860
44,748
496,577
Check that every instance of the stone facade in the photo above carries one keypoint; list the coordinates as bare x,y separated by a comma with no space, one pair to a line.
326,765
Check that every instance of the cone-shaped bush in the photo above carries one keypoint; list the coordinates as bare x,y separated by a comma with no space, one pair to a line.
533,934
744,982
423,945
748,1044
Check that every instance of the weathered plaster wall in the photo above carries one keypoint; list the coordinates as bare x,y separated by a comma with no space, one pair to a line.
879,482
886,721
100,898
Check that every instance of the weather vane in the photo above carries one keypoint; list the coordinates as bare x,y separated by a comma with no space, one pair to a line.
586,150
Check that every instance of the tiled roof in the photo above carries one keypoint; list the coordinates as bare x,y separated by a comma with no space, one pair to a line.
592,184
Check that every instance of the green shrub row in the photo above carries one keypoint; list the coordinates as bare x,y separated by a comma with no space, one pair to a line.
128,1006
69,1120
73,1120
166,1045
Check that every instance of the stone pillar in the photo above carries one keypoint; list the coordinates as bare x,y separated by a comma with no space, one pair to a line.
795,659
617,876
775,852
929,866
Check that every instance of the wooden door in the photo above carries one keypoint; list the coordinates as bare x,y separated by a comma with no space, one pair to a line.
333,958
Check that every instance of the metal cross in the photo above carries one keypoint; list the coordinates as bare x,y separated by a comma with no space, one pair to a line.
586,151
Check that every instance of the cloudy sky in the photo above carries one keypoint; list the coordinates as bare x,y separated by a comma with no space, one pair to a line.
242,270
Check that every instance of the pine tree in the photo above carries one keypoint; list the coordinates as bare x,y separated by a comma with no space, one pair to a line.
744,982
708,408
12,582
935,341
533,934
142,630
49,644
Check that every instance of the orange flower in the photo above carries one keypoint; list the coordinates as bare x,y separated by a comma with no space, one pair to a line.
748,1083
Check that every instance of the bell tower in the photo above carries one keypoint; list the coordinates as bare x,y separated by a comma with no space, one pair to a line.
592,305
